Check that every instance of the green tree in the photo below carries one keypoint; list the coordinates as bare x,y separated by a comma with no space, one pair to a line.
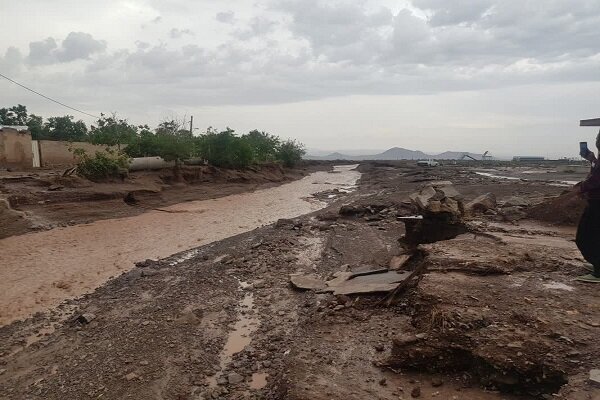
113,131
35,123
64,128
290,152
264,146
224,149
15,115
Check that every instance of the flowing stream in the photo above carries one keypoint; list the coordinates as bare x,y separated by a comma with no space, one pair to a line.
41,269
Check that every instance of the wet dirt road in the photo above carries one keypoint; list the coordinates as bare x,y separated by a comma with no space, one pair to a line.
40,270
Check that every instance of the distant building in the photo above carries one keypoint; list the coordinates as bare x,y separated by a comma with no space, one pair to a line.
528,159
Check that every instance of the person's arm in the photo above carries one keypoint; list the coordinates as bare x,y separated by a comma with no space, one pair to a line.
593,180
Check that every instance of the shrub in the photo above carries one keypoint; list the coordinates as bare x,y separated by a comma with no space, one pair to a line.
102,166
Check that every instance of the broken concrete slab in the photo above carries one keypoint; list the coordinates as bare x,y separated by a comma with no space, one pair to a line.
364,284
307,282
366,270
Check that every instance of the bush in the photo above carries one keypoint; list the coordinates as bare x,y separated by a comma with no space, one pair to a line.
102,166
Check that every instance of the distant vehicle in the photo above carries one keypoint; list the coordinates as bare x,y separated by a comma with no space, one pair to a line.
427,163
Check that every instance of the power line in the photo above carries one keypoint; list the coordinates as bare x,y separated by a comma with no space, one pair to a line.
48,98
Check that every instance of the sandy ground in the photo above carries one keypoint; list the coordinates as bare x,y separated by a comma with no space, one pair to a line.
40,270
495,314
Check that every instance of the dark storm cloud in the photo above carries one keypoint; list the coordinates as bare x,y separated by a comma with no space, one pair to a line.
76,46
308,49
42,52
79,46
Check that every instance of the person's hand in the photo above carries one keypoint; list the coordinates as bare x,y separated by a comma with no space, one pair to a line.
590,156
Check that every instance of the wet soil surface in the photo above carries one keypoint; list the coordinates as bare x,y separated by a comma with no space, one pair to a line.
495,313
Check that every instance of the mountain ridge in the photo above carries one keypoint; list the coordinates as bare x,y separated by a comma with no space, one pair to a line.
397,153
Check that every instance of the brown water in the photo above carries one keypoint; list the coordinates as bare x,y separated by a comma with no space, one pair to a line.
239,337
40,270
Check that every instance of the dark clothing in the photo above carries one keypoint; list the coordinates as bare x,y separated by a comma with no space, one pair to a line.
588,235
590,188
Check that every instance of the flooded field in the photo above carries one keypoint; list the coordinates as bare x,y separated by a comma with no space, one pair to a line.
41,269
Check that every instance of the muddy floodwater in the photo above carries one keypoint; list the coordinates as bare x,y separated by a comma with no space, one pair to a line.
40,270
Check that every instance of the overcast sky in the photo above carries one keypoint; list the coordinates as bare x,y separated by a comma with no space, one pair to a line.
510,76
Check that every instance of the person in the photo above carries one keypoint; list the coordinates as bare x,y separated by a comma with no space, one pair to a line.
588,231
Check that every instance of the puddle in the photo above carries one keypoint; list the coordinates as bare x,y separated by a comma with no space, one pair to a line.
558,286
239,337
42,269
487,174
513,178
259,380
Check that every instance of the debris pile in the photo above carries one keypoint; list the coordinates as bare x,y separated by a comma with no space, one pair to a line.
441,215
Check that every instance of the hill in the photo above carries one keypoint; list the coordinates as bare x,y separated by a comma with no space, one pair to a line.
396,153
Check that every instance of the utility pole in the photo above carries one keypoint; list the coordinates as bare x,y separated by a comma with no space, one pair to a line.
192,125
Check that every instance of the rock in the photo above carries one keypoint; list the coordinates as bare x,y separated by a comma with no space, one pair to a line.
149,263
416,392
85,318
130,376
53,188
328,216
383,382
221,380
284,223
483,203
144,362
348,210
512,214
516,201
437,382
423,197
150,272
595,376
379,347
448,191
307,282
234,378
445,200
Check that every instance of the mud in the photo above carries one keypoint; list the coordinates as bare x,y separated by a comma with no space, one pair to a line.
495,314
40,270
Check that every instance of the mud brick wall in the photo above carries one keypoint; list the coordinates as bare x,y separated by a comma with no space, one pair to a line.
15,149
57,154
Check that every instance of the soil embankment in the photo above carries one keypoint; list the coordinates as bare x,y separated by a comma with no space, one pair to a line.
494,315
46,199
